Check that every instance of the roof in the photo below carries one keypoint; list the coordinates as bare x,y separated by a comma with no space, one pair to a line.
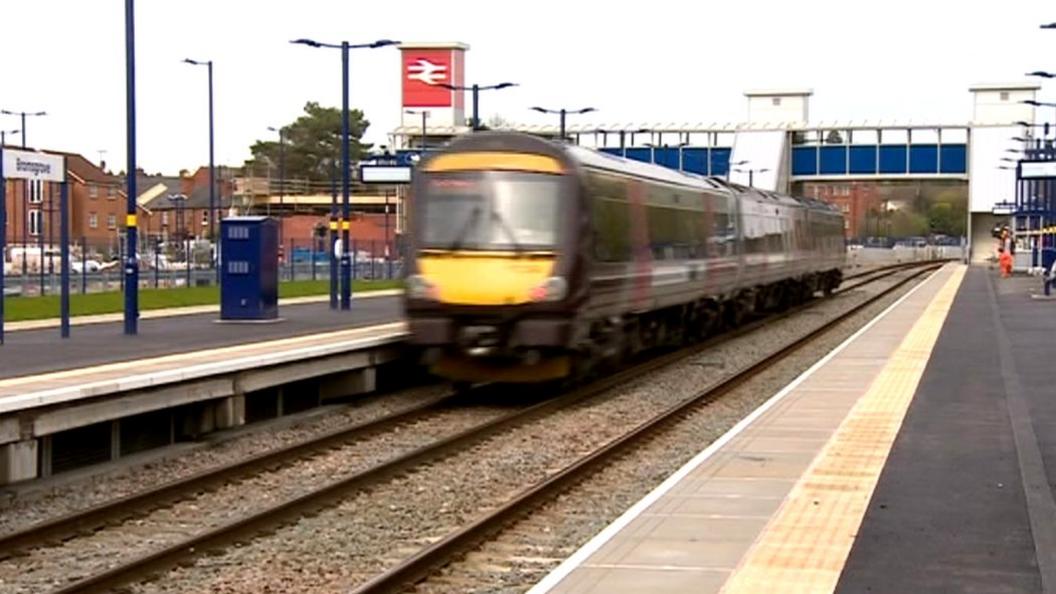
688,127
154,190
434,45
779,93
199,198
1017,86
84,169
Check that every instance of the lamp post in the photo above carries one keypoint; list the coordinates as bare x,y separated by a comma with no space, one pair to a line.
751,174
425,116
476,89
3,136
731,166
178,201
346,166
23,115
564,112
282,176
212,167
132,262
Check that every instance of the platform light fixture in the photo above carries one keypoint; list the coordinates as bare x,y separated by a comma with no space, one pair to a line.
346,209
751,174
476,89
23,115
563,112
212,166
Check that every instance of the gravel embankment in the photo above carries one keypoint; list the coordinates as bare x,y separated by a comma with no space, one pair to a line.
38,570
68,496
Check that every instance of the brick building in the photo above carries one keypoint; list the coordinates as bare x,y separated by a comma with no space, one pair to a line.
860,203
179,206
96,207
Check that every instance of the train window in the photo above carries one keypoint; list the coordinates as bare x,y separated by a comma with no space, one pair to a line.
611,218
612,230
722,236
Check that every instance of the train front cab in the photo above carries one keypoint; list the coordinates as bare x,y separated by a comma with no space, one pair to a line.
493,278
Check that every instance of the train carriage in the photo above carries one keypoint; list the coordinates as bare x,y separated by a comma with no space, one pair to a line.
532,261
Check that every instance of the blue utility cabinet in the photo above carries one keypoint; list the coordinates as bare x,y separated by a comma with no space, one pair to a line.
249,278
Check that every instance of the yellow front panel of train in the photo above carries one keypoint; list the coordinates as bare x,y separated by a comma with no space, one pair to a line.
486,279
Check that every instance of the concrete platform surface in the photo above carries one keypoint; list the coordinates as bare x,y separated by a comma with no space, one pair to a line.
30,352
776,504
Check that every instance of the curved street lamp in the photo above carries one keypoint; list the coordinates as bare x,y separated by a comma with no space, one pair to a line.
563,112
23,115
346,209
212,166
476,89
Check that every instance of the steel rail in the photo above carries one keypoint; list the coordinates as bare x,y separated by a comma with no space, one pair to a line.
431,558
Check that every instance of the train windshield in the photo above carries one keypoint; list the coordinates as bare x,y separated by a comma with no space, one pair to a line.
490,211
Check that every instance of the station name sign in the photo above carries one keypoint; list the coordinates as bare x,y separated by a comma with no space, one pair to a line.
34,166
384,174
1035,169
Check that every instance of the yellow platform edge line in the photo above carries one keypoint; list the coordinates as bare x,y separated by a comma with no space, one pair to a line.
206,355
804,547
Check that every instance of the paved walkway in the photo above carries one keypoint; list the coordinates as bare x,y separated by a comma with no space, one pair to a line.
776,503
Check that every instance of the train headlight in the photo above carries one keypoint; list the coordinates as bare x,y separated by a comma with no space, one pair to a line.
554,288
419,287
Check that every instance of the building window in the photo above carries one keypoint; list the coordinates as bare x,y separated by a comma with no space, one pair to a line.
36,191
93,221
36,222
111,192
164,219
93,191
111,221
1004,95
775,101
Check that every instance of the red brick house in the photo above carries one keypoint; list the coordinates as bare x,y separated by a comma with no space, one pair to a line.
97,207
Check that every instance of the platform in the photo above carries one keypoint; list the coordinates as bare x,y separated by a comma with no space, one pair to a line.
910,459
188,363
42,350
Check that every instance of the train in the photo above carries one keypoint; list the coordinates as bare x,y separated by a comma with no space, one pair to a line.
533,261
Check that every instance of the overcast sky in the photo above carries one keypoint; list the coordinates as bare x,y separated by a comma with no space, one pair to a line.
634,61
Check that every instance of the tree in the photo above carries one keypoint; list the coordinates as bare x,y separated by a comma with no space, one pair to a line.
944,218
313,144
497,122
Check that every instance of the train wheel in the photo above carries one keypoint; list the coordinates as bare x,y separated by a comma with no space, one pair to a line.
828,286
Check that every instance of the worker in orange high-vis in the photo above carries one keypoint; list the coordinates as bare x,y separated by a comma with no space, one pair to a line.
1004,260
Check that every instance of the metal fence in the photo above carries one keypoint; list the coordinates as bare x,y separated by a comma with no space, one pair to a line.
96,267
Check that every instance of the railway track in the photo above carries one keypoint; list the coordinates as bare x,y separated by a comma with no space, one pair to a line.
457,543
114,514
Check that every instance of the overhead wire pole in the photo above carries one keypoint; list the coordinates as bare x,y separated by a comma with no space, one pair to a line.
346,166
131,264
